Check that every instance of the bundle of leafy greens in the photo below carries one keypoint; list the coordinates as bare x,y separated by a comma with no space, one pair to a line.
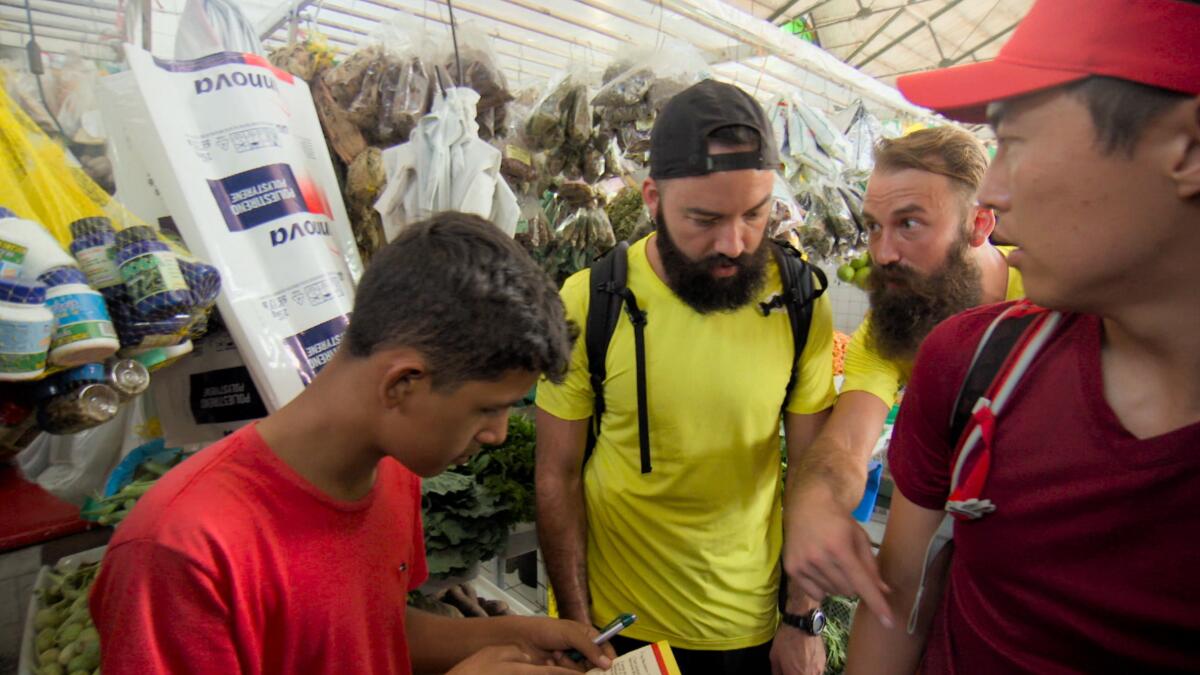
468,510
506,470
464,523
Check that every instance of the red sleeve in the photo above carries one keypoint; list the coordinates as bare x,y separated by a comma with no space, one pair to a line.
157,611
420,567
921,450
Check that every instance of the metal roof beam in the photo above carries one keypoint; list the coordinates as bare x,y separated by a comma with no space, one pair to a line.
56,11
76,37
338,9
904,36
276,18
90,4
792,3
874,34
39,24
473,10
725,19
973,50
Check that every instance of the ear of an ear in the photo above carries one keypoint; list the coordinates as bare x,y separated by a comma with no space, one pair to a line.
983,226
401,380
1185,169
651,195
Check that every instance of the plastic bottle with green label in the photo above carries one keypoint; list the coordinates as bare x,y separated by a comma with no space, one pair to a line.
26,325
27,249
153,281
83,330
94,245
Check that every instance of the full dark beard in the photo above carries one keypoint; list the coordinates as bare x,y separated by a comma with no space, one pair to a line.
903,314
695,284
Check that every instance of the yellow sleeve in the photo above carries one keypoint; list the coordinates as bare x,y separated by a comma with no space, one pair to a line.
867,370
1016,285
814,389
573,399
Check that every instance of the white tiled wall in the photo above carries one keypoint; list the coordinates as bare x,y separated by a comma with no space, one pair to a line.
849,303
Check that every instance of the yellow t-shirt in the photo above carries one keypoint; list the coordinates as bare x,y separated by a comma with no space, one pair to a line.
867,370
693,546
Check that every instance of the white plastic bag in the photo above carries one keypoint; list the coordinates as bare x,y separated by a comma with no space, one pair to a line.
446,167
240,160
74,467
213,26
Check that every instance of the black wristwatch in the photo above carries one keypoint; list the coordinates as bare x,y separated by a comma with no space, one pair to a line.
812,623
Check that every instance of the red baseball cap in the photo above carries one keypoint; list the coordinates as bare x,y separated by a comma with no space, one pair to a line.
1154,42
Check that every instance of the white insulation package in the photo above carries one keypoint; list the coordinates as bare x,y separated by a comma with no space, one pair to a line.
235,150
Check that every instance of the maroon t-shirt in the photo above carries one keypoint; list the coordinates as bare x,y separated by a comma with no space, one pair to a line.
1091,561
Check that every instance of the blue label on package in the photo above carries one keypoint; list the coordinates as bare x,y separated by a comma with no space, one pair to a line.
316,346
258,196
79,308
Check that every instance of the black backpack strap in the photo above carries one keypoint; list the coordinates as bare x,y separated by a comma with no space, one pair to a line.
609,292
993,350
799,296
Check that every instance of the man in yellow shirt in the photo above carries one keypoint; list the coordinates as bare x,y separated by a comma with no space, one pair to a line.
688,535
930,259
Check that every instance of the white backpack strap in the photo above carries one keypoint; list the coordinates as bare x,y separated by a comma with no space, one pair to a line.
941,538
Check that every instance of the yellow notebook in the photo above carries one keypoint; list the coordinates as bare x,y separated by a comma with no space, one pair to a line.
655,659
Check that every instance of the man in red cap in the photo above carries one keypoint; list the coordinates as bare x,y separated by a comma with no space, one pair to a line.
1075,496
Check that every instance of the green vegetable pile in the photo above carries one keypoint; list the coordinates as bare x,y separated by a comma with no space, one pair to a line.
506,470
464,523
114,508
468,510
67,642
626,211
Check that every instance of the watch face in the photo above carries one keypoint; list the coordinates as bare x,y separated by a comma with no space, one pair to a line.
818,622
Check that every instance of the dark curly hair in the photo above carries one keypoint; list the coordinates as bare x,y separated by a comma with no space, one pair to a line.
467,297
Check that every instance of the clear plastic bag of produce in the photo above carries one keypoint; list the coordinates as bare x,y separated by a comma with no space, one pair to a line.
650,77
307,58
809,143
385,86
863,133
481,72
786,214
635,88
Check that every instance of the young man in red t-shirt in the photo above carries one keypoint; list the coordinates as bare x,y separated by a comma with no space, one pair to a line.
291,546
1089,561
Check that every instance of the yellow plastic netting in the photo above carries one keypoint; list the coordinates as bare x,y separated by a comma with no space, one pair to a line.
39,182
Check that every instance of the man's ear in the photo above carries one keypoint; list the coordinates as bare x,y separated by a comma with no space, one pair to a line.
652,196
404,375
1185,168
982,224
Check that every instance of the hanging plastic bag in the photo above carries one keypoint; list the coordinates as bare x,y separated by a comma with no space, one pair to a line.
214,26
648,78
239,157
481,72
863,133
74,467
445,166
384,86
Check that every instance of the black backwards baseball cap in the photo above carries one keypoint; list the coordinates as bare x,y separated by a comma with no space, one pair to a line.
679,141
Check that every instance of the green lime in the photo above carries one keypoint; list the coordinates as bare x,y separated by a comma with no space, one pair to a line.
862,261
846,273
861,276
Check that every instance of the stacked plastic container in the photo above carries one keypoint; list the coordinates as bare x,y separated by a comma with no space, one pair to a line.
85,329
